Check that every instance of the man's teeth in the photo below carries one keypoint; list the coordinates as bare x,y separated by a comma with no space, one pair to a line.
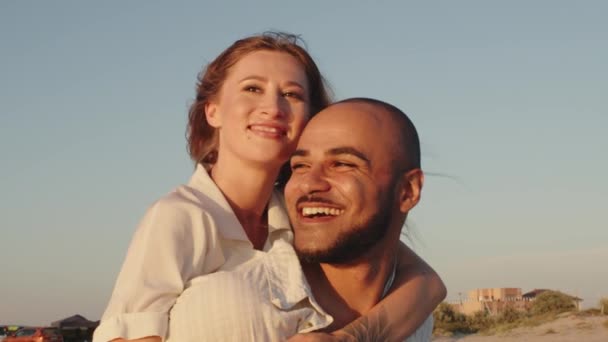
323,211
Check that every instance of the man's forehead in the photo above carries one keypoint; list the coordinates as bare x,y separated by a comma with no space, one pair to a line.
345,125
354,110
344,116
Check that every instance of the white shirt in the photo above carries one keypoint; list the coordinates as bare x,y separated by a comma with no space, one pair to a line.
190,232
190,245
266,299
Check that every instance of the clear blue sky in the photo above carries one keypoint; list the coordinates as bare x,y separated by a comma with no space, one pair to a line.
509,98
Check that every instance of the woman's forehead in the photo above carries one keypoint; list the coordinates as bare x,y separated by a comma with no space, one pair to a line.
266,64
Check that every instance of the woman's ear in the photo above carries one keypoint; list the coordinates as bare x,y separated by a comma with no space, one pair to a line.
411,187
212,115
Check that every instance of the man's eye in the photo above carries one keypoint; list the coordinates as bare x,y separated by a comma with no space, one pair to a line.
253,89
296,166
341,164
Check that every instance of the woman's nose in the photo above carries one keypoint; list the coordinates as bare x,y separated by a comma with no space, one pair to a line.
273,105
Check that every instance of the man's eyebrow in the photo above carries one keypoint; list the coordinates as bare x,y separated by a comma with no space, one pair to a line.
300,153
348,150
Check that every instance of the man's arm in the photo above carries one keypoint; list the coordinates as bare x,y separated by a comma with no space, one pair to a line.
416,292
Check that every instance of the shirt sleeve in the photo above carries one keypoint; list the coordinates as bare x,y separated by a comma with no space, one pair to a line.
424,333
164,253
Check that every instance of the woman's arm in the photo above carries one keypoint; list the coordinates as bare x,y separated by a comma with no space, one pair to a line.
166,247
416,292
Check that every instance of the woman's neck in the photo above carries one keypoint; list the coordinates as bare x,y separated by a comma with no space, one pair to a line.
248,190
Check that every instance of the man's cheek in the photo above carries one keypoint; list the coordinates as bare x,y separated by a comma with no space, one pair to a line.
349,187
290,192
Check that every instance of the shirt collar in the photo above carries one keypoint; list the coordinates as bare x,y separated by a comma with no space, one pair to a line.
218,207
288,285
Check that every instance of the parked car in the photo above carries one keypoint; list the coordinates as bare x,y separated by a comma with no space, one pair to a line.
40,334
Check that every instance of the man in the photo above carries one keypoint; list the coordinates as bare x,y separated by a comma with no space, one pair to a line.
356,175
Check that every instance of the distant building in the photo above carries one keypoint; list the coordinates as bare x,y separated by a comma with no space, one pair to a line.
76,328
530,296
491,300
496,294
495,300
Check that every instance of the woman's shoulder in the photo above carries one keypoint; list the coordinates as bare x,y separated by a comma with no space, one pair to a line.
175,210
191,209
184,198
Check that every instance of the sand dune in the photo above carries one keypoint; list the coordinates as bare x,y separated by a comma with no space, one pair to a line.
566,329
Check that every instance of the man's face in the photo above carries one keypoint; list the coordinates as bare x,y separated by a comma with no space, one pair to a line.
341,197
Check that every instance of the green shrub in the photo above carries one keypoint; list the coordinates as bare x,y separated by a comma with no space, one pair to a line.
552,302
449,320
445,313
589,312
509,315
545,308
479,321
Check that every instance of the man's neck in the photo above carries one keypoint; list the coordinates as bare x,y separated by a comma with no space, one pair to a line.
348,291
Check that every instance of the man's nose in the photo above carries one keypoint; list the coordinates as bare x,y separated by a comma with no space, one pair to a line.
315,180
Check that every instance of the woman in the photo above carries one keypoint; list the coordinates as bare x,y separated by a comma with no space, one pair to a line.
252,103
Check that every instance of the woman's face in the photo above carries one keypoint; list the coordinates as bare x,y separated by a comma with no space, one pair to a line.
261,108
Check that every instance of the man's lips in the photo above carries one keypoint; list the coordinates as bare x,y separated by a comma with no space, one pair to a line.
324,211
315,207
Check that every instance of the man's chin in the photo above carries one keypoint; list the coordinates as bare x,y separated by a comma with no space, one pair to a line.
312,254
310,257
331,255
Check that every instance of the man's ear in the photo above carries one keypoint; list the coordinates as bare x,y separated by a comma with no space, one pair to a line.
411,187
212,115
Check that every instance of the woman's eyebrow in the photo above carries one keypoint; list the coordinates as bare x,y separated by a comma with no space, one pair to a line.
264,80
253,78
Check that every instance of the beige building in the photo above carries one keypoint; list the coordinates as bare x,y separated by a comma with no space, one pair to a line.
495,294
491,300
495,300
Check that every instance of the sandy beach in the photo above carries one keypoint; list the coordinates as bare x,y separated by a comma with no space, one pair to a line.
566,329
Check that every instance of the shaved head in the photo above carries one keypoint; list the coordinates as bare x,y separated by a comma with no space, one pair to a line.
351,186
407,150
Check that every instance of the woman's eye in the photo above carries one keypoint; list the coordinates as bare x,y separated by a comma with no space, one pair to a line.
292,94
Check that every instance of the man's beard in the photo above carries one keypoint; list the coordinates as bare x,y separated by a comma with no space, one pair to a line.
357,241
